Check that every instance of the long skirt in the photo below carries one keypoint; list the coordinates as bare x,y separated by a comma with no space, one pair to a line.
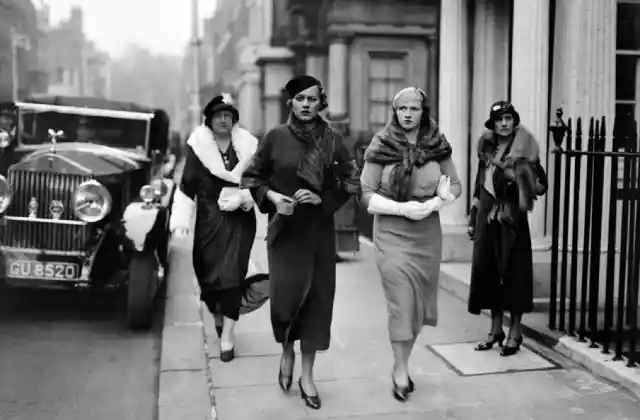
502,267
302,276
408,255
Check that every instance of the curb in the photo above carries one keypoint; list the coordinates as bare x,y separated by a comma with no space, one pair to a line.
184,380
591,359
184,391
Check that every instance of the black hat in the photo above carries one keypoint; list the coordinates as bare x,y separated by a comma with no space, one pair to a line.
8,109
498,109
222,102
300,83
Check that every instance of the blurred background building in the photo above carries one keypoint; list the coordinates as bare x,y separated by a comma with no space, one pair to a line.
73,64
20,44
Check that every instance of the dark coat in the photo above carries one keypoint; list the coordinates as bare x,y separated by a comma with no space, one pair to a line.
301,249
222,239
502,265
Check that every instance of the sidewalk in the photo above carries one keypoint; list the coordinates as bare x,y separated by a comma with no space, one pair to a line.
452,380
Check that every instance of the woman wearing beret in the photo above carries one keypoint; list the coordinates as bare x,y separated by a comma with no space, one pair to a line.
509,180
218,151
408,176
301,175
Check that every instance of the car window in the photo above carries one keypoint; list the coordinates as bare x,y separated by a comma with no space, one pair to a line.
107,131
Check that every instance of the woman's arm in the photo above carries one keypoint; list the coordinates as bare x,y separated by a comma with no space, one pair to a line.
542,182
374,202
448,168
257,175
183,208
346,171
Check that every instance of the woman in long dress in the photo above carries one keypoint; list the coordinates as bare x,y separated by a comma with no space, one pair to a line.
510,178
407,177
225,223
301,175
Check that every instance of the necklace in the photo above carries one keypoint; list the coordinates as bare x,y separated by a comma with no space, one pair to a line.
225,156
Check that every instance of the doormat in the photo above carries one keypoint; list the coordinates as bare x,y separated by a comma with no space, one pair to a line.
463,359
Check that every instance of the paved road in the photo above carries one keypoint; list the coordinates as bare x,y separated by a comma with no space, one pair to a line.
69,357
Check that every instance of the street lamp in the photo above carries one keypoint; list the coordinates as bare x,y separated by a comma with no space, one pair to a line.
195,44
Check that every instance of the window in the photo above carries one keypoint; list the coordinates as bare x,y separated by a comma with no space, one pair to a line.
387,75
627,71
628,62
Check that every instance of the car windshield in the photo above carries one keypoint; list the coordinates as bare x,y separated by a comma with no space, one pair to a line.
107,131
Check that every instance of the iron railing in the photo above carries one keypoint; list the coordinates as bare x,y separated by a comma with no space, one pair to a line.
595,255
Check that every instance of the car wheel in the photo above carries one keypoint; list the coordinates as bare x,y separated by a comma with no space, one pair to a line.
142,283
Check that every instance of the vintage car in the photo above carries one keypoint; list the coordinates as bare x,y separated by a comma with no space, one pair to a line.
84,203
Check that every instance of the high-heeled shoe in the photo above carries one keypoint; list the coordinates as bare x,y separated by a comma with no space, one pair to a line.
285,380
401,393
312,401
493,339
511,350
412,386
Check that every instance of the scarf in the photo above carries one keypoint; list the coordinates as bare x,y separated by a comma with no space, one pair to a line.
391,147
320,142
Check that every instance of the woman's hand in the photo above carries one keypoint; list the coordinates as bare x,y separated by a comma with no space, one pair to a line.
284,205
414,210
230,203
181,233
444,189
304,196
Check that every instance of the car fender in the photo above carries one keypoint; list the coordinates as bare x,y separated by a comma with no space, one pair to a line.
139,220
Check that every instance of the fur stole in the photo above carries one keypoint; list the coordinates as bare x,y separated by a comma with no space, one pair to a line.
204,147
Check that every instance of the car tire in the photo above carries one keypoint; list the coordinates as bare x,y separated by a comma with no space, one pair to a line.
142,284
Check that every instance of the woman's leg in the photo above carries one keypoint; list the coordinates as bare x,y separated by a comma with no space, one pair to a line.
497,319
401,353
230,301
515,329
306,375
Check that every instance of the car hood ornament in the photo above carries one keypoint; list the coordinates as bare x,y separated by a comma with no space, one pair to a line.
54,138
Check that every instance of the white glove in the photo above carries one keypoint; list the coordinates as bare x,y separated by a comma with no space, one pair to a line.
444,189
230,203
434,204
383,205
415,210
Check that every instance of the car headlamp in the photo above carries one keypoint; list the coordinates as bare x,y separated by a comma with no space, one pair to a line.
5,194
91,201
148,194
5,139
159,187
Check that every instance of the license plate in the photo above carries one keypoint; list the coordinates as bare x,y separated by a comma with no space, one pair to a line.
43,270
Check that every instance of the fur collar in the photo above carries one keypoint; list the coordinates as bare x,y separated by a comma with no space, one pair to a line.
202,142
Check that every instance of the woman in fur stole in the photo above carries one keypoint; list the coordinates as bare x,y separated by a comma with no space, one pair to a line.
510,178
225,224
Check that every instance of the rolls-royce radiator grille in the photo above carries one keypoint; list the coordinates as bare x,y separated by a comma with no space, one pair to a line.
40,214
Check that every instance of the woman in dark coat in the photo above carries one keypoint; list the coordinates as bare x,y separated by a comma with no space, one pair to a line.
225,225
510,178
301,174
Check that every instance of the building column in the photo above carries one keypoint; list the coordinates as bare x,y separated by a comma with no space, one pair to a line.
454,97
338,76
316,63
530,86
584,76
492,38
249,101
276,72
